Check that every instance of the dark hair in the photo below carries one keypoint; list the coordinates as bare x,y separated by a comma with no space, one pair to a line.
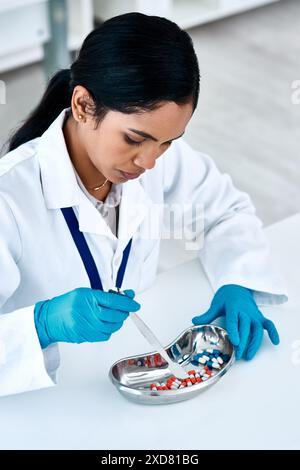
131,63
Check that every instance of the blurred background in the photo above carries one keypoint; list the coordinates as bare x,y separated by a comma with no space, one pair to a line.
248,116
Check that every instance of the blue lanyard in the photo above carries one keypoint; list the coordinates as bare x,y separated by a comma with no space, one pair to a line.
85,254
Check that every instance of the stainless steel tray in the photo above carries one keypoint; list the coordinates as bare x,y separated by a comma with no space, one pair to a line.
133,379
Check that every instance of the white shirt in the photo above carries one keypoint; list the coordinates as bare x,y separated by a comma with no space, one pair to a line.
108,208
39,260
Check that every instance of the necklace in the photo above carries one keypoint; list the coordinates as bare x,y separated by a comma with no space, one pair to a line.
98,187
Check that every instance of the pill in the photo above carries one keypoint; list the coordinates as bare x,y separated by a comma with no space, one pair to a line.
172,377
195,363
174,387
202,360
152,361
197,356
157,359
216,365
220,360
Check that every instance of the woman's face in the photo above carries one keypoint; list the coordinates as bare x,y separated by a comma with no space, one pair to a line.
119,152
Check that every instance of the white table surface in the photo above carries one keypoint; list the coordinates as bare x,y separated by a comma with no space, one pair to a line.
256,405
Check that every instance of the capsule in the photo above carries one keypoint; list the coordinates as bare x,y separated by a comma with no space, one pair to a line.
195,363
216,365
174,387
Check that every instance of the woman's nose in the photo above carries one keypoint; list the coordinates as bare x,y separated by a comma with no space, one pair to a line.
147,162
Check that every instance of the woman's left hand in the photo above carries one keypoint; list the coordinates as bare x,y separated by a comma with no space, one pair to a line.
244,322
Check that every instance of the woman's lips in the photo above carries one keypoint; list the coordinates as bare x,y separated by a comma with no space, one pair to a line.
130,176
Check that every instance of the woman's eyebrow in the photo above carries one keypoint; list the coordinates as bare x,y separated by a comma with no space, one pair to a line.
144,134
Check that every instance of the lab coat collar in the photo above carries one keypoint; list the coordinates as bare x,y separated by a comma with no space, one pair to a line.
61,189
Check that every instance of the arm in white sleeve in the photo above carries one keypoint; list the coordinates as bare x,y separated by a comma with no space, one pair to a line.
24,365
235,249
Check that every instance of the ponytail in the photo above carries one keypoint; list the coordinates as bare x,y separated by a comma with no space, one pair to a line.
56,98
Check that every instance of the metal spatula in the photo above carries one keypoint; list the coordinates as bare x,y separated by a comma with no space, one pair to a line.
174,367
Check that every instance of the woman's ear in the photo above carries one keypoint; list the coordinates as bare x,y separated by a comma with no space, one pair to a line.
82,104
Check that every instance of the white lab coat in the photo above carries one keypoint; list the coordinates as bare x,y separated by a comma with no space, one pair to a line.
39,260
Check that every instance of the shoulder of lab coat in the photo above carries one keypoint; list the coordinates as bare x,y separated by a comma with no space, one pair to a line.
234,249
24,365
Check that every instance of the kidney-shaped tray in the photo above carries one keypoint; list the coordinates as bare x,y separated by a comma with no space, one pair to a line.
133,375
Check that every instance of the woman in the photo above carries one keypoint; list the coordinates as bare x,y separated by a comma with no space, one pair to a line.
83,181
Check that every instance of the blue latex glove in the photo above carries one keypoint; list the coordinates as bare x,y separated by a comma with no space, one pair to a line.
244,322
81,315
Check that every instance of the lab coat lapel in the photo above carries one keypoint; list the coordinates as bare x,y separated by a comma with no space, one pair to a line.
90,220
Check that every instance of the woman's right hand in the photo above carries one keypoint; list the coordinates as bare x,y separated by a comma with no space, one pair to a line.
82,315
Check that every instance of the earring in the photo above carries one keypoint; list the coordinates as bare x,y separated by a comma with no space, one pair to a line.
79,116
